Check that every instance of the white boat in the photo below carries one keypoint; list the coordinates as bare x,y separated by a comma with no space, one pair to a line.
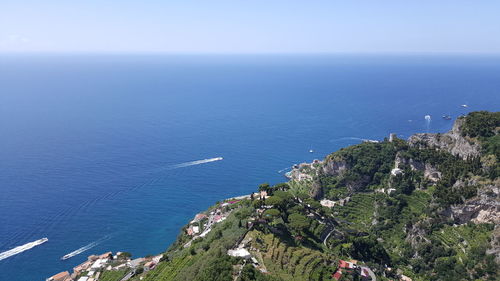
464,105
311,151
65,257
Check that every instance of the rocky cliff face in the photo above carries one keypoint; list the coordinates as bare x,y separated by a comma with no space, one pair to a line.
334,168
452,141
483,208
430,172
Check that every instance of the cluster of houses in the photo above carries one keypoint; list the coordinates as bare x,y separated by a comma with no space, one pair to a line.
351,267
91,269
204,222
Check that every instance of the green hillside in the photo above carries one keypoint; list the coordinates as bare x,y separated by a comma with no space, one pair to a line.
401,210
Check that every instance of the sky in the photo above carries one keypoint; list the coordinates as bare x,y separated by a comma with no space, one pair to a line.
250,26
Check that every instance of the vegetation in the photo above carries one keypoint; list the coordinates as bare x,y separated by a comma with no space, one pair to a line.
392,223
113,275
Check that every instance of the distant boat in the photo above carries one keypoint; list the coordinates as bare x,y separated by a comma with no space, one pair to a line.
464,106
446,117
311,151
65,257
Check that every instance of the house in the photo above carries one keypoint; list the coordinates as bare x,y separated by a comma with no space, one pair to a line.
107,255
99,263
198,218
327,203
337,275
85,278
62,276
82,267
218,218
240,252
149,265
346,264
156,259
135,263
192,230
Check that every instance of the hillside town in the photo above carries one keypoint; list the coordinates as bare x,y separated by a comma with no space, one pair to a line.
92,269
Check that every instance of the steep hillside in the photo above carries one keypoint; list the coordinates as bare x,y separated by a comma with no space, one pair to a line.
423,209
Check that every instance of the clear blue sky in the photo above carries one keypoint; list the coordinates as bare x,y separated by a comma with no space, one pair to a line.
250,26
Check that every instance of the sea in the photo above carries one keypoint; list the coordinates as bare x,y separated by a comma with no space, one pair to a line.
108,152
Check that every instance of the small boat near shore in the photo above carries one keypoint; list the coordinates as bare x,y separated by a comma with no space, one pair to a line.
65,257
446,117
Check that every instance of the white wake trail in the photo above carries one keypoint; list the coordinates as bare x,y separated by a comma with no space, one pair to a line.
22,248
282,170
197,162
84,248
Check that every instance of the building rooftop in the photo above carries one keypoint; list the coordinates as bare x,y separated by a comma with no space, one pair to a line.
61,276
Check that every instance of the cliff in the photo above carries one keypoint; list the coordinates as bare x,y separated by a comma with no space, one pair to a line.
453,141
423,209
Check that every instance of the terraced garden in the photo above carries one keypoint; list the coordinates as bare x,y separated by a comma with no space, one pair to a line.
168,270
359,210
290,262
464,237
418,201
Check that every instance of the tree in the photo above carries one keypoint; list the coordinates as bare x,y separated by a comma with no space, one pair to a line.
272,214
275,201
257,204
264,187
298,222
281,186
125,255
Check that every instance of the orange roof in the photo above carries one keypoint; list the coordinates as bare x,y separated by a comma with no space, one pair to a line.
345,264
337,275
200,216
61,276
105,255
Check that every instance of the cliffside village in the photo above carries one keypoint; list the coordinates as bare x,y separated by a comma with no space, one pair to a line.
91,269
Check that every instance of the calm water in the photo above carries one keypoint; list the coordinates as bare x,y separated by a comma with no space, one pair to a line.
88,143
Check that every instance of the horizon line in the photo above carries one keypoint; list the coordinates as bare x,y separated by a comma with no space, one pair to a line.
429,53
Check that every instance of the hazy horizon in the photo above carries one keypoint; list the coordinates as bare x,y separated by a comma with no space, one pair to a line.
257,27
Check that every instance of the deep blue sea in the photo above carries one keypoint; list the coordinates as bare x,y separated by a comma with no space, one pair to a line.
89,143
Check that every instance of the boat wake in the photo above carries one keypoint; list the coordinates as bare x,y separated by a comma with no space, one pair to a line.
347,138
354,139
84,248
20,249
193,163
282,170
